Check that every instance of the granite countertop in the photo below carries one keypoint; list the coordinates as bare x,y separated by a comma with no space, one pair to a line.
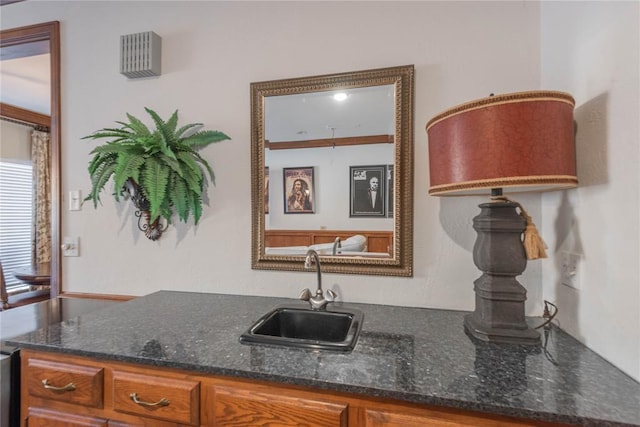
408,354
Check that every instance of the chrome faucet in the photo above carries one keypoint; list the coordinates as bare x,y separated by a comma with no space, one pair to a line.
317,301
336,245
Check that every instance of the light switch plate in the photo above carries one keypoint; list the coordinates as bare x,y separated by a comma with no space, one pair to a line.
74,200
70,246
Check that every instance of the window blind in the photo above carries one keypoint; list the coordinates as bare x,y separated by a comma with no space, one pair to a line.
16,218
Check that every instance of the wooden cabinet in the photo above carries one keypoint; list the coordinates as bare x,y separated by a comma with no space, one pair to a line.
156,396
66,382
389,416
39,417
238,404
88,392
63,390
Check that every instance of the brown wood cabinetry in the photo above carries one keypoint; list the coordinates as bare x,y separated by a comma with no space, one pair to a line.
66,382
233,403
39,417
389,416
156,396
64,390
86,392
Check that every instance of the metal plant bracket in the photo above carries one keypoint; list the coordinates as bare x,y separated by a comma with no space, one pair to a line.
152,230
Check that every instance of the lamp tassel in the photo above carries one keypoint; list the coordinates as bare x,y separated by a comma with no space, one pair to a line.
534,246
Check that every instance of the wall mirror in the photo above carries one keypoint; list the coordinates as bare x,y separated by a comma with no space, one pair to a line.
26,44
332,170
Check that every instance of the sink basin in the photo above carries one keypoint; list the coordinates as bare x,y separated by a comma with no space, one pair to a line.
334,329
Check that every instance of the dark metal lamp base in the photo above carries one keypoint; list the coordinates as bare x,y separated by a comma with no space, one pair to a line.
525,336
500,255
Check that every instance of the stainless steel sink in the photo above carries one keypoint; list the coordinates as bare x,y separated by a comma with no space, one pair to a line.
335,329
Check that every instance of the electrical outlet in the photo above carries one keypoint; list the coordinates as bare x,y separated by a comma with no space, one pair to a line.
571,270
70,246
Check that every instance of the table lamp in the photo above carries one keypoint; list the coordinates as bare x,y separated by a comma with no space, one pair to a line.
516,142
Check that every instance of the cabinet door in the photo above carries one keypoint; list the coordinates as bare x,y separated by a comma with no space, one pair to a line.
259,405
39,417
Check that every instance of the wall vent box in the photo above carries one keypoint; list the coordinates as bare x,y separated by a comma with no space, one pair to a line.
140,55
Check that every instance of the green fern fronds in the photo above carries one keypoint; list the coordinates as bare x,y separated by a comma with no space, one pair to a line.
127,167
154,179
204,138
99,179
136,126
179,199
162,162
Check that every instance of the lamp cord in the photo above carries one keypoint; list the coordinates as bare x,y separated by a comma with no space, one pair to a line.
547,329
534,246
547,314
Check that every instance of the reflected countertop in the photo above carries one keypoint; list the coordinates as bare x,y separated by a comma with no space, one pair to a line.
409,354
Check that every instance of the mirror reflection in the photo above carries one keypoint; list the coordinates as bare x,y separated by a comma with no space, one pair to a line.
330,115
302,130
332,157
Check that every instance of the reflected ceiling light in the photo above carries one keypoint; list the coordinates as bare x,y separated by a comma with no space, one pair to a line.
340,96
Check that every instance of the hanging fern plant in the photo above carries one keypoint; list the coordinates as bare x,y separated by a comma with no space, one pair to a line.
160,170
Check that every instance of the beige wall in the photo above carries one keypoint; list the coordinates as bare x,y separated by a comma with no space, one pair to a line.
594,52
211,53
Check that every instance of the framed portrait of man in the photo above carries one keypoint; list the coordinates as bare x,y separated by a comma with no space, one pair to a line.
298,190
367,191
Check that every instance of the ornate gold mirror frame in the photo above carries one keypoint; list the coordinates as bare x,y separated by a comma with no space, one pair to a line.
400,259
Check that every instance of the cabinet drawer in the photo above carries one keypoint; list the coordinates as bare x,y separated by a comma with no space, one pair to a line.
71,383
39,417
259,405
403,417
157,397
391,419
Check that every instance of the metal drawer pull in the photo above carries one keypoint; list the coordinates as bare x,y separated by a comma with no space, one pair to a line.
162,402
68,387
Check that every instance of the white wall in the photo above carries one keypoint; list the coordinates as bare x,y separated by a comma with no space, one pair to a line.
592,49
213,50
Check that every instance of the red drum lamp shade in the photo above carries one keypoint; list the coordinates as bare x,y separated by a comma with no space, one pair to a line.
518,142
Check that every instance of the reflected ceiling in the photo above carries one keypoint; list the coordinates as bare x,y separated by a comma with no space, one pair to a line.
318,115
25,78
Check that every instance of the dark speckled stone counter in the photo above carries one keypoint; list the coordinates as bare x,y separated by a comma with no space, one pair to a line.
408,354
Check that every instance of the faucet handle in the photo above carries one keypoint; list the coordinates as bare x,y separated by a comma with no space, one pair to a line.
331,296
305,295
